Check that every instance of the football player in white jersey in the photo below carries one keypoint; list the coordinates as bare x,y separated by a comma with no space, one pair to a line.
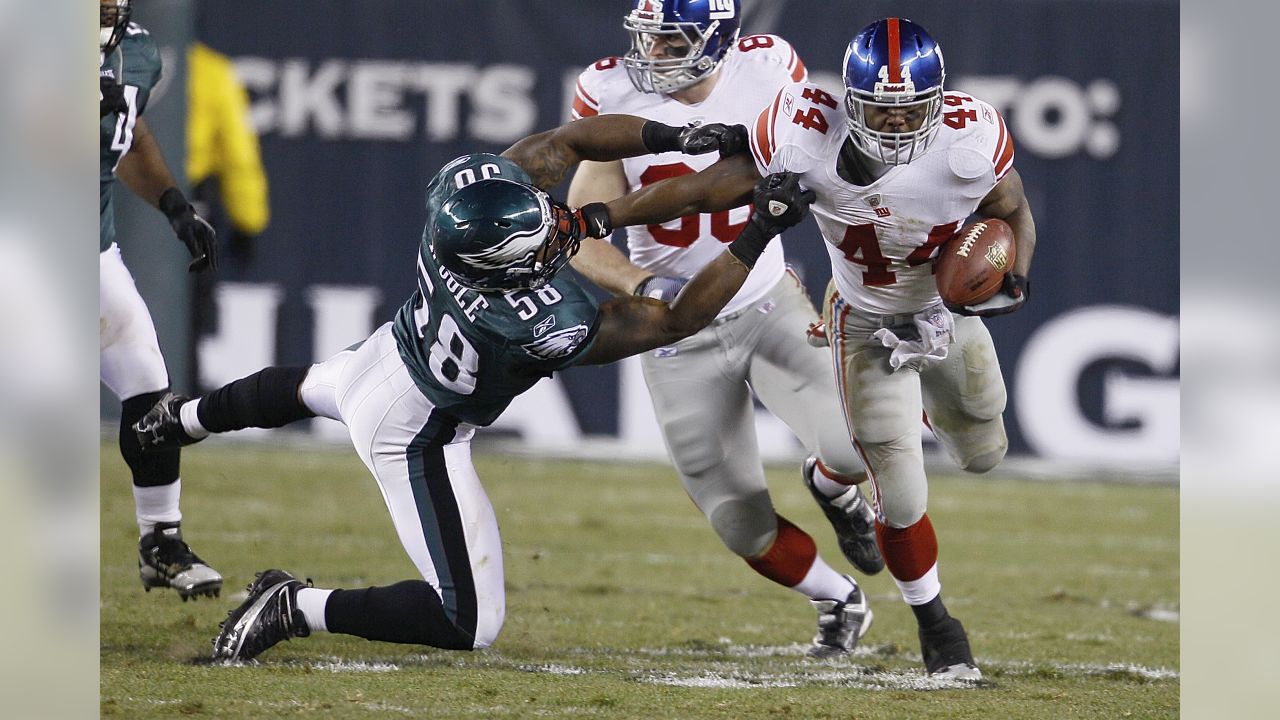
687,65
914,163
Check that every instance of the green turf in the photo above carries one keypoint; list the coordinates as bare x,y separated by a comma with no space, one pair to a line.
621,602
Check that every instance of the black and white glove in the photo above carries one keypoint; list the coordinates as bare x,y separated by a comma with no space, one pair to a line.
694,139
661,288
1013,294
593,219
777,204
191,229
111,97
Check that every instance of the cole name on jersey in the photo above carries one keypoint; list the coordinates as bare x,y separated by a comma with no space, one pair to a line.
472,353
748,78
882,237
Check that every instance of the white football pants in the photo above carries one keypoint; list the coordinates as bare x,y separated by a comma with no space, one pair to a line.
131,363
701,391
422,462
962,397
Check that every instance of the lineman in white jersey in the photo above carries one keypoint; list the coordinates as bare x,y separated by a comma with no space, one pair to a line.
914,164
688,65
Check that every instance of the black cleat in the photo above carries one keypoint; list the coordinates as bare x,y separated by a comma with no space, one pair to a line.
161,427
164,560
946,652
269,615
841,624
853,520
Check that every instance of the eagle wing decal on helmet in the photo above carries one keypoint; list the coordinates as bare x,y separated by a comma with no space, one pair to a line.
516,247
557,344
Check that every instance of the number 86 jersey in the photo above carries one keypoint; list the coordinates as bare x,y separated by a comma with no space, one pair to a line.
882,237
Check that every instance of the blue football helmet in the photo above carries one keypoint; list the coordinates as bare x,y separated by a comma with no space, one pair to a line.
894,64
693,38
496,235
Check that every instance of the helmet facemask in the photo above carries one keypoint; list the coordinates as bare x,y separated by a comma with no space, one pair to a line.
113,19
670,73
887,147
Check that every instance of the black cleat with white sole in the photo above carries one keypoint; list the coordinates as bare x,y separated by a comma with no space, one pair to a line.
945,648
268,616
162,427
853,520
165,560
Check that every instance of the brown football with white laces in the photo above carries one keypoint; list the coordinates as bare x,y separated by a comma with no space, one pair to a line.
974,261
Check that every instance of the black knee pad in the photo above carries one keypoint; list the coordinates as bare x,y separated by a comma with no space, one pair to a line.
155,467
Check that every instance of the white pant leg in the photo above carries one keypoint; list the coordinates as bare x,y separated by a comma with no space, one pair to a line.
884,411
964,397
423,467
131,363
795,381
703,406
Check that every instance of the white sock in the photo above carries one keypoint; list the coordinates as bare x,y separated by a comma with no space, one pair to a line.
311,602
823,583
827,482
191,421
156,504
922,589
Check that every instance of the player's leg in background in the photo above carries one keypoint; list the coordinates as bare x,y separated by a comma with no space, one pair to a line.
134,370
964,399
795,381
704,407
444,520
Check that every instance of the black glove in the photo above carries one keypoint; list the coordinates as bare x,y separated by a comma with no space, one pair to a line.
191,229
778,203
661,288
694,139
594,220
1013,294
111,97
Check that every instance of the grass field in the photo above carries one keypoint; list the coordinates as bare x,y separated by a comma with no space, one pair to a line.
621,602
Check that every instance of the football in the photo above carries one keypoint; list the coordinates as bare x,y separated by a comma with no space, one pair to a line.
973,262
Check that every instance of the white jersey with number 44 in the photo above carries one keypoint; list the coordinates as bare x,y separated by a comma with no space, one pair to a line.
749,77
883,237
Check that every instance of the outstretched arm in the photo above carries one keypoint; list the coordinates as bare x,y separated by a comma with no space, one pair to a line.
726,184
630,325
549,155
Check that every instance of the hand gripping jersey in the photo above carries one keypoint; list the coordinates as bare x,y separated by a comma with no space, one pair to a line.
136,65
882,237
749,78
471,353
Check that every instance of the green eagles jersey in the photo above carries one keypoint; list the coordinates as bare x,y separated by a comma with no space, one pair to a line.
136,65
472,353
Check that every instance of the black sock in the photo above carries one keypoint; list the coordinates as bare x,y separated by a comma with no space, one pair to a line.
265,399
930,613
155,467
407,612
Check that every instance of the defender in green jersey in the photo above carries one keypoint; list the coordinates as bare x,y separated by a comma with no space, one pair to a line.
489,318
132,366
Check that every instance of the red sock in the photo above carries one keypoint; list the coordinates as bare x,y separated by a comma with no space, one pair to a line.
908,552
789,558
